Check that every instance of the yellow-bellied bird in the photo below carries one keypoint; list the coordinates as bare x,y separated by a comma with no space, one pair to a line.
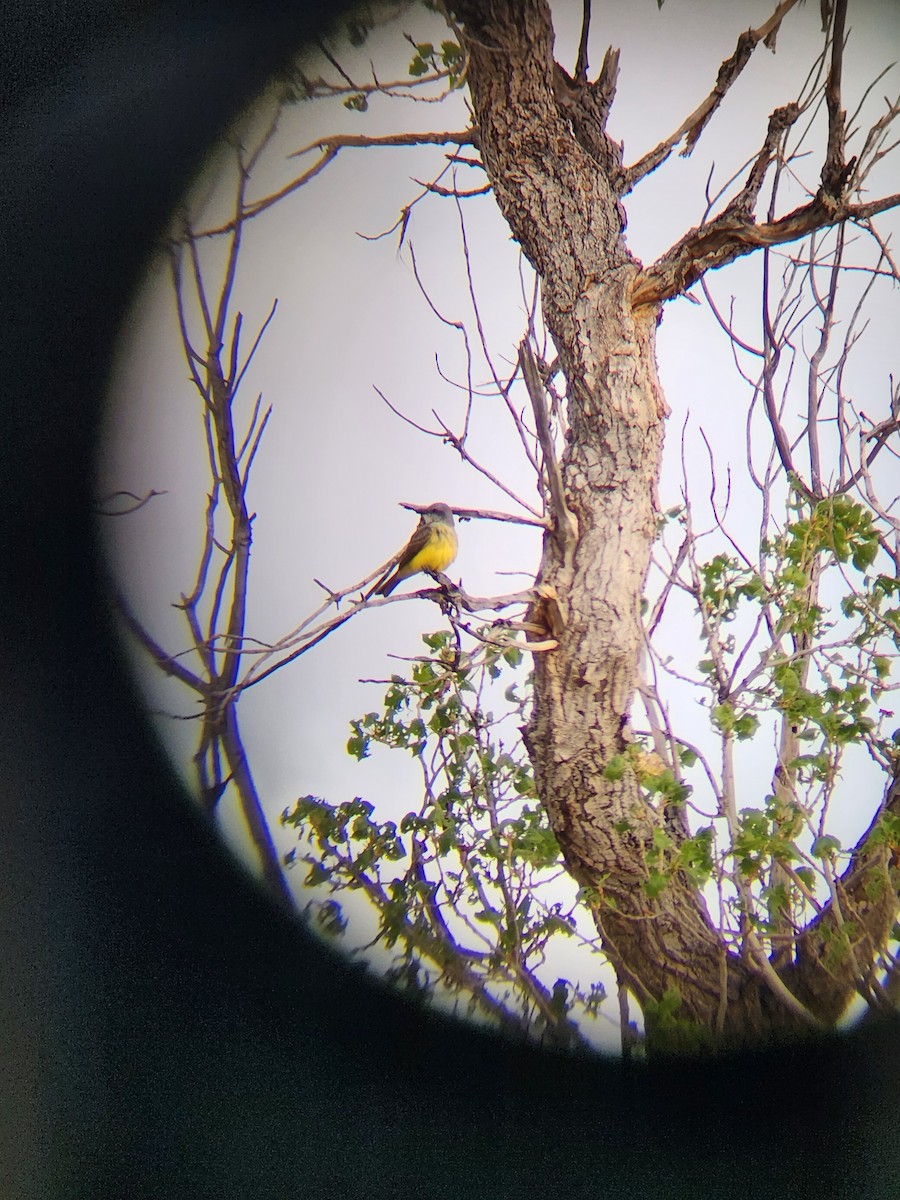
431,548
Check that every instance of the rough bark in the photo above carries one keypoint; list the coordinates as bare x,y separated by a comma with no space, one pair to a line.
558,179
559,190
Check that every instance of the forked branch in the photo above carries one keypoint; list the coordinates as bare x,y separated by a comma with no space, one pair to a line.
691,128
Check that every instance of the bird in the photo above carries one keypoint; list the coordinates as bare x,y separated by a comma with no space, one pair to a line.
432,547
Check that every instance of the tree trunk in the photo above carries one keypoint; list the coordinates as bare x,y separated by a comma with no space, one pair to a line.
558,177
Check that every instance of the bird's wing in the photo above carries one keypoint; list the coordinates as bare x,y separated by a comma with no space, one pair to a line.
418,540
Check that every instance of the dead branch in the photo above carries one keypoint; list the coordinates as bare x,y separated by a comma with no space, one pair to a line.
237,376
139,502
727,238
488,514
305,637
330,147
581,62
458,444
343,141
564,525
780,122
834,172
436,190
691,128
166,662
473,300
403,417
734,232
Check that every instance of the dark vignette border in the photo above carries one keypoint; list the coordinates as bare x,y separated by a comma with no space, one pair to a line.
165,1030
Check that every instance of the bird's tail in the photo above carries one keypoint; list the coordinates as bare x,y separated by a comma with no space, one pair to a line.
384,586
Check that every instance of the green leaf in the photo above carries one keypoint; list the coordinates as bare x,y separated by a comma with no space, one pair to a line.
615,768
745,727
661,840
422,60
786,678
436,641
446,841
451,54
723,717
488,916
825,846
317,874
695,856
330,918
794,576
358,745
865,554
655,883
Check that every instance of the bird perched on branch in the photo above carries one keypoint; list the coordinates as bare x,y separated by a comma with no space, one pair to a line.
431,548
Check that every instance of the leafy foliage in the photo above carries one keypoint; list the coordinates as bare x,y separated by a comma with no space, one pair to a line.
448,58
821,670
469,890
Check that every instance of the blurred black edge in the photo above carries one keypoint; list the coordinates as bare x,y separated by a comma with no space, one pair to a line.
166,1031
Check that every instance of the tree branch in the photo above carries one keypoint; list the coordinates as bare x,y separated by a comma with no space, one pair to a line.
823,975
565,528
165,661
730,236
691,128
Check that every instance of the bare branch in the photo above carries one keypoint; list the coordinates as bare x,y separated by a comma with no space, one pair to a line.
251,806
403,417
691,128
454,192
343,141
487,514
139,502
834,172
237,379
564,525
727,238
255,446
165,661
459,446
581,62
304,638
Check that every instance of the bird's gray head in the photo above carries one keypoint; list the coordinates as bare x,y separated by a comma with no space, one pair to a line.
438,512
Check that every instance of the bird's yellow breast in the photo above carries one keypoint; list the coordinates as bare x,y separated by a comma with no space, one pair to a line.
437,553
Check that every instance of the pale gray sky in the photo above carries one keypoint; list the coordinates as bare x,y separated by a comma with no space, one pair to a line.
336,462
